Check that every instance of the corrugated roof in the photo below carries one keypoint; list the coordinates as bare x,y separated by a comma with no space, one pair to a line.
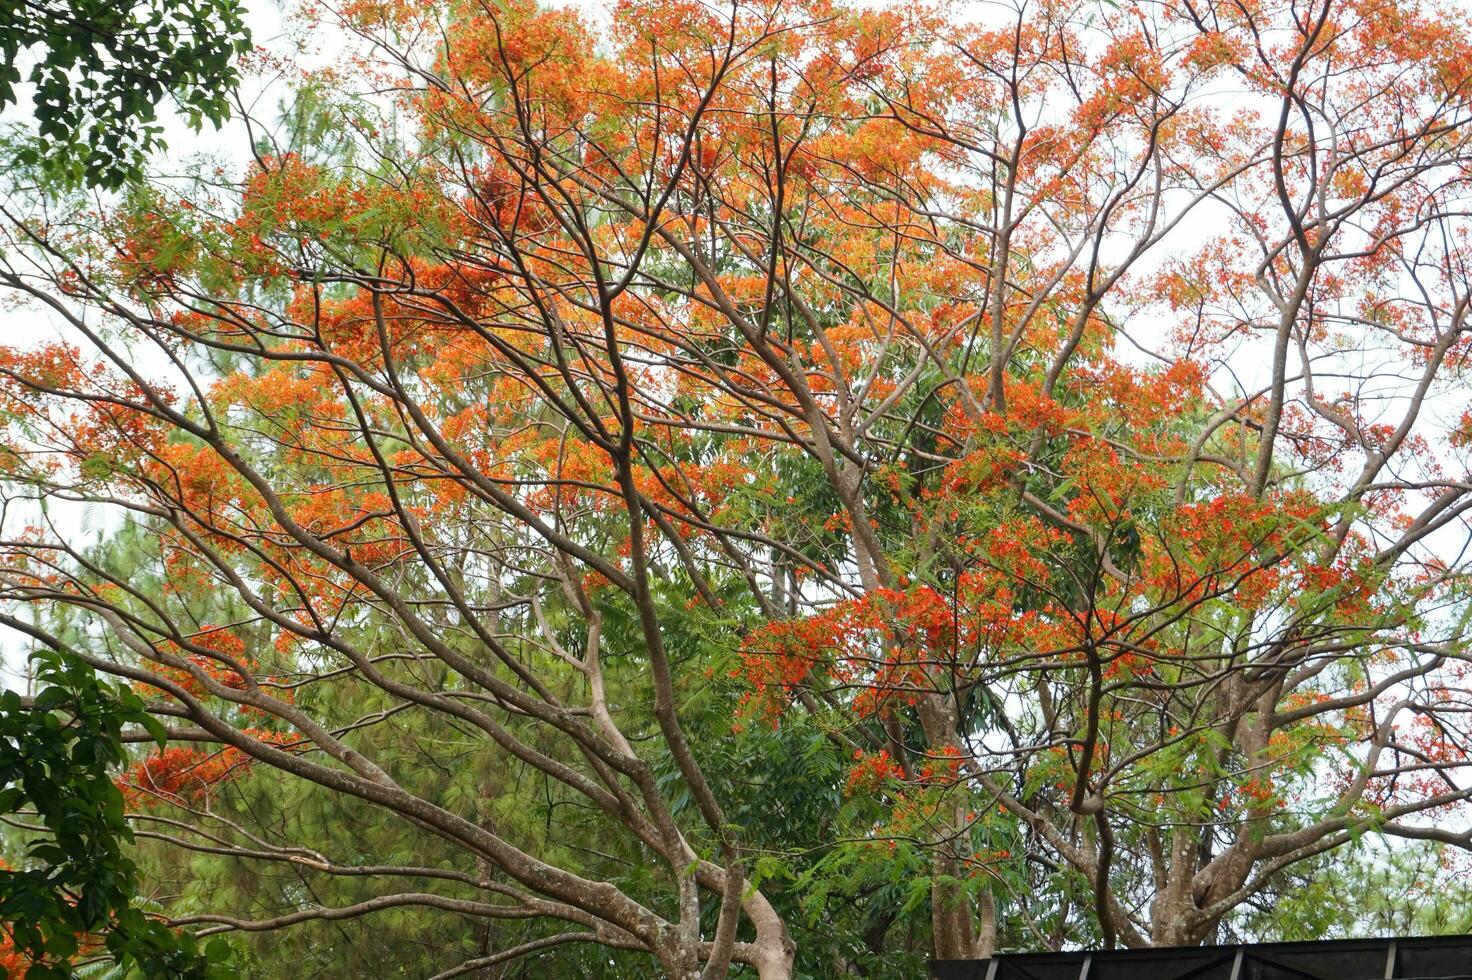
1412,958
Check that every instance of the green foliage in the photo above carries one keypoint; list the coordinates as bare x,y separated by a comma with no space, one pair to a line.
1368,889
102,69
78,883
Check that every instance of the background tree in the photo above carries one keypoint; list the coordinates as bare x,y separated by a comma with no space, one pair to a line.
972,483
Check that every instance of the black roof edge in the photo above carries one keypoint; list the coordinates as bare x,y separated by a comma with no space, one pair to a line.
1403,957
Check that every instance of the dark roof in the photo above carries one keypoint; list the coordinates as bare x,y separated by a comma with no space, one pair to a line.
1420,958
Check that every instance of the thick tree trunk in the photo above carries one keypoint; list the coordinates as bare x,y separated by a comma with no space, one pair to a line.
951,921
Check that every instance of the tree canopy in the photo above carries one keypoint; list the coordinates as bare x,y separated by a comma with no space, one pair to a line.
100,69
786,489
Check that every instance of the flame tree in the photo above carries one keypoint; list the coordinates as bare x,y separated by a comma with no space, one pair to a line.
1056,410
